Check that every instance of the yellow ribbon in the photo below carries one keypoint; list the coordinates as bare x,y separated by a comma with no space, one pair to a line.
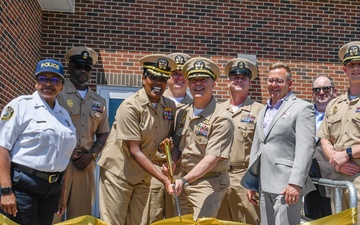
6,221
82,220
188,220
345,217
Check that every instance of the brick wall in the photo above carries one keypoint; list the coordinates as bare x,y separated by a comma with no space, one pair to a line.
304,34
20,47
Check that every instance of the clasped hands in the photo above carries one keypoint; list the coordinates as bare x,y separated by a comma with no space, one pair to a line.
340,161
165,169
81,158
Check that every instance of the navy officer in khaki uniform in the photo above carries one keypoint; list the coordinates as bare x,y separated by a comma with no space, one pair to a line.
160,204
88,113
204,133
142,122
244,111
340,128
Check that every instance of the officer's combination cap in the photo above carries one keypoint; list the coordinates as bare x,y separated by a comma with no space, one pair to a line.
50,66
241,66
350,52
83,55
180,59
201,67
158,65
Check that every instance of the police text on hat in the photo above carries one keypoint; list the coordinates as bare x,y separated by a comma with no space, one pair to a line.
350,52
200,67
49,66
158,65
81,55
241,66
180,59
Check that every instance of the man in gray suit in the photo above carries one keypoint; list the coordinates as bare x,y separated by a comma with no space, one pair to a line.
283,148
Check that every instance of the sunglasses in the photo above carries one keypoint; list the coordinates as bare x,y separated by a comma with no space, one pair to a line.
157,78
325,89
53,80
79,66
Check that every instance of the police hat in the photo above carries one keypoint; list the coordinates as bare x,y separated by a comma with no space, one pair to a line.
158,64
180,59
350,52
241,66
81,55
50,66
200,67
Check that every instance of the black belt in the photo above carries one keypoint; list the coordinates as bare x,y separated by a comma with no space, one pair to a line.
51,177
238,167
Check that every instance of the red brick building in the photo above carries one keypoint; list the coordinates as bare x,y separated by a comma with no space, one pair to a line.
304,34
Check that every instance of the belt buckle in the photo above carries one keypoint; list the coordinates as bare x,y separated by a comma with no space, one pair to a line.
53,178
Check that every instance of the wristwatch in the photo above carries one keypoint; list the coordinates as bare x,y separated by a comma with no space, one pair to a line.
6,190
185,182
349,153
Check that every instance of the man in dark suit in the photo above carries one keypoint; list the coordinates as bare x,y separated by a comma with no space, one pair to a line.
284,145
317,203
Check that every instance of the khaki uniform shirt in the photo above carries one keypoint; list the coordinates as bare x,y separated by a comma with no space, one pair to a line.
244,119
209,133
160,157
88,114
341,126
137,120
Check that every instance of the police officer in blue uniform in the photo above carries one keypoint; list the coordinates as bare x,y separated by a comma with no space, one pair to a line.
36,141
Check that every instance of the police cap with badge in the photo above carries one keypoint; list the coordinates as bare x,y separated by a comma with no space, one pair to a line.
83,55
350,52
180,59
159,65
241,66
201,67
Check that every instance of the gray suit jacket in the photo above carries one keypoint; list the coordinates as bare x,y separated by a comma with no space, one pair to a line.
287,150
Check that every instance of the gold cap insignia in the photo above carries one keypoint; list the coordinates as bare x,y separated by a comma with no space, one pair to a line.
163,63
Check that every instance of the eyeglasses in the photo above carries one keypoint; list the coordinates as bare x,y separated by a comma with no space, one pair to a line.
79,66
53,80
325,89
278,81
157,78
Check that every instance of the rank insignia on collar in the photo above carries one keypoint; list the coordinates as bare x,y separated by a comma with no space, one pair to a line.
335,109
7,113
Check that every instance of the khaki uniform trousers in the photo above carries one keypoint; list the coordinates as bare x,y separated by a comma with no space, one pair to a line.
160,204
121,203
203,197
235,205
80,191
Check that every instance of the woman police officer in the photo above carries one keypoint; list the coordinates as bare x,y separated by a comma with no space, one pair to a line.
37,138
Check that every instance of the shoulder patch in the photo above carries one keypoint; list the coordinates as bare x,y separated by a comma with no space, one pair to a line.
8,112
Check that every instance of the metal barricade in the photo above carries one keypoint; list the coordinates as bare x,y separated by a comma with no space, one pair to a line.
339,187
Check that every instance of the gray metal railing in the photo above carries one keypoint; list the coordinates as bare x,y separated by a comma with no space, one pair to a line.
339,186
